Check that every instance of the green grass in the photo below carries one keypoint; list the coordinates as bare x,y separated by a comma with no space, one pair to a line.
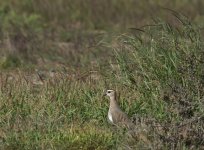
56,65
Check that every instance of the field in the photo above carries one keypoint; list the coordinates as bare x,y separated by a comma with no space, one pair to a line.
59,57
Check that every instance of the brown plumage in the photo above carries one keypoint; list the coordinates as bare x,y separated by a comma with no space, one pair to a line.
115,115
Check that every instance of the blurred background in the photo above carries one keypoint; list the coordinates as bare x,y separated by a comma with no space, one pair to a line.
48,33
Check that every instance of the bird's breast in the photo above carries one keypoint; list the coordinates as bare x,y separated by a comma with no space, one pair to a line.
110,117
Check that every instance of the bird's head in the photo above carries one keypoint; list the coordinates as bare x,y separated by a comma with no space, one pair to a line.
110,93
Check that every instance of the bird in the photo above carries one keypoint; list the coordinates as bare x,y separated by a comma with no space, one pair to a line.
115,115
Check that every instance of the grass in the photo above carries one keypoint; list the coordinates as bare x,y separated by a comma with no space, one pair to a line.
52,117
54,71
165,67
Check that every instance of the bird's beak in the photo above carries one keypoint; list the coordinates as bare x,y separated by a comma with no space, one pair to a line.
104,94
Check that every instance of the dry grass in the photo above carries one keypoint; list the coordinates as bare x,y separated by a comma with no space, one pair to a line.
58,58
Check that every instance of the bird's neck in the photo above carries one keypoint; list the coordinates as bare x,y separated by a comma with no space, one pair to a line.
113,102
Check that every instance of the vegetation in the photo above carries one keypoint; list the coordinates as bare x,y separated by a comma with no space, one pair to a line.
58,57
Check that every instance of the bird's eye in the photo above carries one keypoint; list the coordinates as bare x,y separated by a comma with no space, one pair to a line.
109,91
